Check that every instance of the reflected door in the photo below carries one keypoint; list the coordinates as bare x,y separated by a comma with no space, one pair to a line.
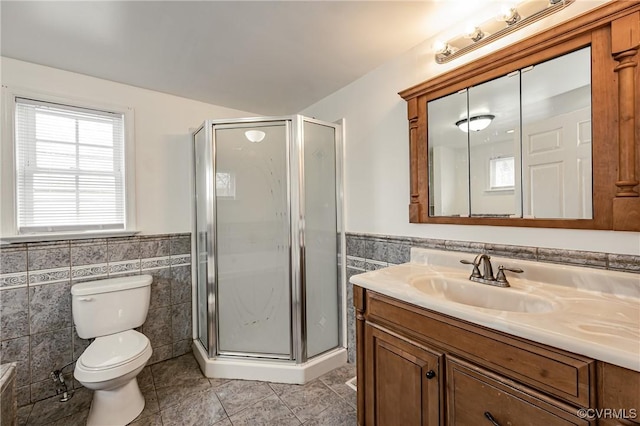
252,240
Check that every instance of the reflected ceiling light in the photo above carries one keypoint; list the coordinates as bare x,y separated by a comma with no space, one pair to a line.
475,123
255,135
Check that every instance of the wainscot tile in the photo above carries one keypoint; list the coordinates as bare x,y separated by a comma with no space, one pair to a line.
13,259
356,246
46,388
376,249
398,253
154,247
178,371
118,251
14,321
85,273
79,344
124,268
355,263
15,279
17,350
182,347
373,265
44,276
23,395
52,409
157,327
160,287
88,252
50,350
181,321
180,244
161,354
180,284
48,256
573,257
49,307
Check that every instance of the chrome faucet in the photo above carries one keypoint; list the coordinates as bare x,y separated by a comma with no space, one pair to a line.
487,277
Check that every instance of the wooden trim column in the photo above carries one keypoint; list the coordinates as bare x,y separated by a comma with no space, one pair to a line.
359,304
414,202
625,43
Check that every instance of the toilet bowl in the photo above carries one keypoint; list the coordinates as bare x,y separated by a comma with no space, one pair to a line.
109,310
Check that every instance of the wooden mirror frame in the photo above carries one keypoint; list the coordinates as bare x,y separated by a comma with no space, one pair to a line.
613,32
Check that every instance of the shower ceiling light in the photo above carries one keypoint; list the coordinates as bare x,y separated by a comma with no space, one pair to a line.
255,135
476,123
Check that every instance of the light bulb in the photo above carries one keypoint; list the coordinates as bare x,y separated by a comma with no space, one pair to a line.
255,136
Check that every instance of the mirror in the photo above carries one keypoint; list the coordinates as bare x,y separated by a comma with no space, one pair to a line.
516,146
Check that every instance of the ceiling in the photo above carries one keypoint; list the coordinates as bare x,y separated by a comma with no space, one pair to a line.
266,57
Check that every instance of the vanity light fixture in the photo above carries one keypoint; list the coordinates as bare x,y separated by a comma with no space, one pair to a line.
475,123
255,136
510,18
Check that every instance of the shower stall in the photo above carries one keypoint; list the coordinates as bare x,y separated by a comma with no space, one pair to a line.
268,244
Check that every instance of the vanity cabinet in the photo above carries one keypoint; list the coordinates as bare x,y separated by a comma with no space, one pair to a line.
417,367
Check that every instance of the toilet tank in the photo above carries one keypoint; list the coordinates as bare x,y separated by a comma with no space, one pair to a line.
110,306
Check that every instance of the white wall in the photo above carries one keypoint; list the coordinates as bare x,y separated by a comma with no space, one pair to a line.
162,137
377,150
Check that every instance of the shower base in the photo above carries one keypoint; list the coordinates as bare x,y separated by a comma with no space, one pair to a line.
268,370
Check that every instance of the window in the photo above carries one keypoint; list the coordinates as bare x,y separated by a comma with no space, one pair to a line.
70,172
502,173
225,185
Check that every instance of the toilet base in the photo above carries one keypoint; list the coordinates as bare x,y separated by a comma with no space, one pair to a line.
117,406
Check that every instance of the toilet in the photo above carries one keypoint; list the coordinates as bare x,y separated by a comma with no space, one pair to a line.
108,310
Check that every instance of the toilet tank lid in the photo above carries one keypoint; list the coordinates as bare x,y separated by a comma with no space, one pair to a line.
111,284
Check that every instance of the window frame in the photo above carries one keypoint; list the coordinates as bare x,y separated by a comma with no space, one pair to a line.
8,161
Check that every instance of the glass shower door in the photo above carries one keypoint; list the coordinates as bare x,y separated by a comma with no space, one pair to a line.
203,194
253,239
321,238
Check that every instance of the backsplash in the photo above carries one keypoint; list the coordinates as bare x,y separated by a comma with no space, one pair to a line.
36,326
368,252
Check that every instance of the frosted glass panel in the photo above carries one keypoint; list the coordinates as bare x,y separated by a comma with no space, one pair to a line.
321,238
202,159
252,241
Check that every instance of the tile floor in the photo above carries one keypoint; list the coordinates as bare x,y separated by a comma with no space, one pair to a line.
177,393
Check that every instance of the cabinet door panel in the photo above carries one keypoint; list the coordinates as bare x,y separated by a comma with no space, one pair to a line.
403,381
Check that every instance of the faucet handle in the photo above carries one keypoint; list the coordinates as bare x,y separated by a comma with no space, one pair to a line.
500,276
476,270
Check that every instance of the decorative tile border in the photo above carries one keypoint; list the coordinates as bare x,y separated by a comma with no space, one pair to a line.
156,263
124,267
49,276
17,279
180,260
89,271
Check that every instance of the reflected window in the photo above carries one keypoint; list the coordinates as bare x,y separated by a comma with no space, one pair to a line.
225,185
502,173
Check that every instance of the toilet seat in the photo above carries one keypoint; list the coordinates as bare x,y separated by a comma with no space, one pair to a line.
112,356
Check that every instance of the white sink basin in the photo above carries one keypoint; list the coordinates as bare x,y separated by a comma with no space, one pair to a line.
470,293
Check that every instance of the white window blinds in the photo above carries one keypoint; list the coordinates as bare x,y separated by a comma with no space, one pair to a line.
69,168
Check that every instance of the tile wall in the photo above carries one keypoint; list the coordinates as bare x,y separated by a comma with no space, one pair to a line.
367,252
36,326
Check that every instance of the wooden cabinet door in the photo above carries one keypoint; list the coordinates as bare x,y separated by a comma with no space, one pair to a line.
403,381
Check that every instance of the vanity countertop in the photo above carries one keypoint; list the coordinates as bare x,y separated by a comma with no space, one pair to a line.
595,313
